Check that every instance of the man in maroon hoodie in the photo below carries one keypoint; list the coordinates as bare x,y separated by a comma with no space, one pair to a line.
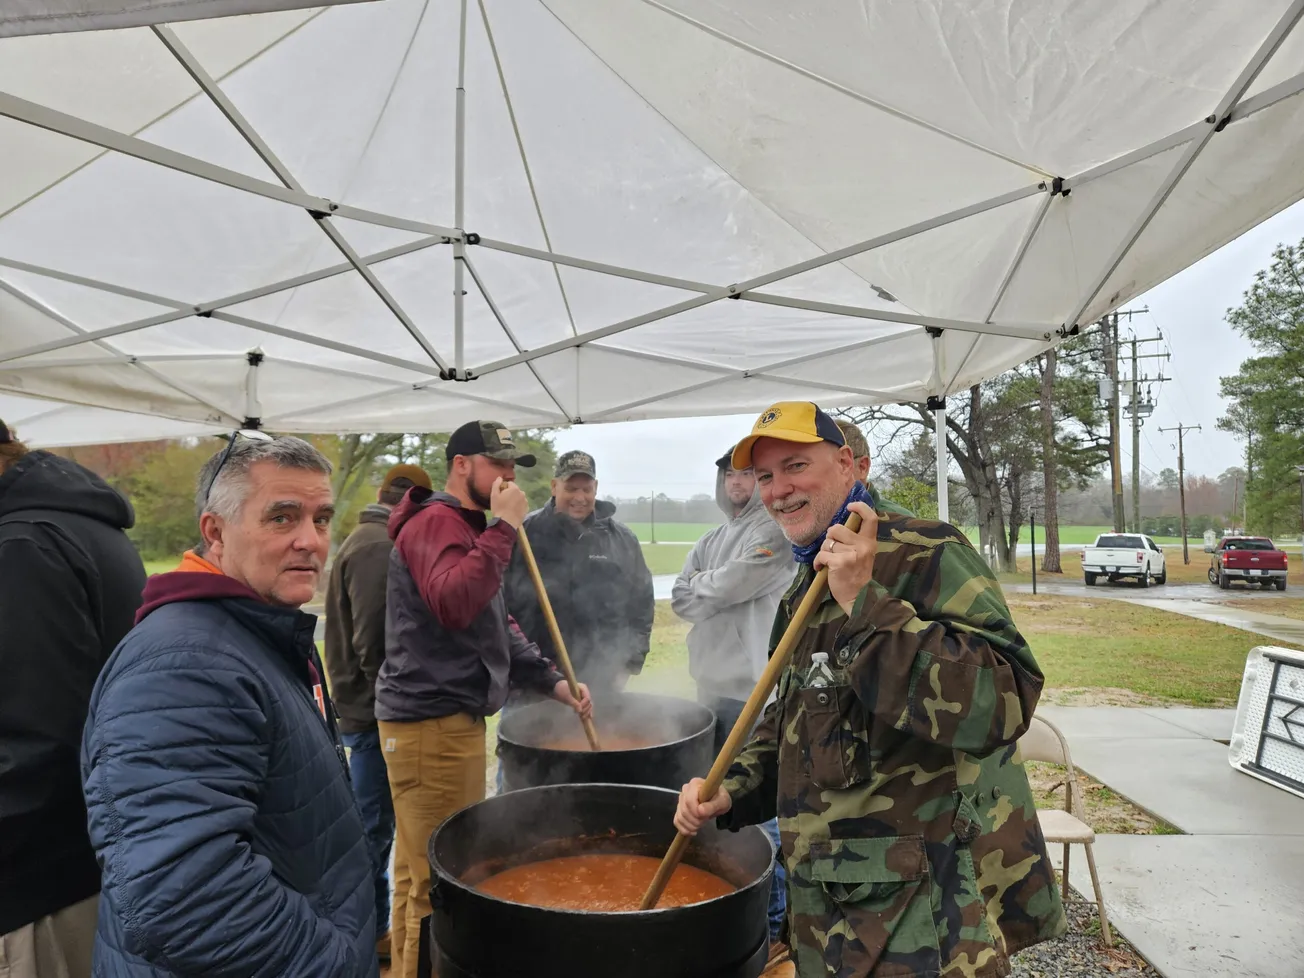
451,652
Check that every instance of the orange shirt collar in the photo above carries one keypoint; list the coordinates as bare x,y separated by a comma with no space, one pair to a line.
191,561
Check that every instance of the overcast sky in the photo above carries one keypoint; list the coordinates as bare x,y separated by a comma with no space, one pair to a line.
677,457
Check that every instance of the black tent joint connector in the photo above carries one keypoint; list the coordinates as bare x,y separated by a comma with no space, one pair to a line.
472,238
935,403
254,357
251,424
1223,123
459,376
933,331
318,215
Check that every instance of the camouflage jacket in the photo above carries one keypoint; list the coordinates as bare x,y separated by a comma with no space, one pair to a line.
908,827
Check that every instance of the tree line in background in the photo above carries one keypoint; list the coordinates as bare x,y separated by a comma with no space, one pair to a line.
159,477
1267,393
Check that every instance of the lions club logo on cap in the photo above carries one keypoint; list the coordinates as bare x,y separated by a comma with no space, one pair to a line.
768,418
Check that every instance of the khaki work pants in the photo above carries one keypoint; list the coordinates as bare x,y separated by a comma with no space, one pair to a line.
435,768
57,946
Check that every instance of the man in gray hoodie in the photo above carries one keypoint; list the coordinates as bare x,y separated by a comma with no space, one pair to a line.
730,589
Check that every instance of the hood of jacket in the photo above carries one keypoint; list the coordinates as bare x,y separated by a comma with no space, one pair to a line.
374,513
40,480
190,584
726,507
417,499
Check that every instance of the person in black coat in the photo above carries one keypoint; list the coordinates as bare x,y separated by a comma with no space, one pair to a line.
598,583
70,584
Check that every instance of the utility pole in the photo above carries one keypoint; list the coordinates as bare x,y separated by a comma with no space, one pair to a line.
1181,429
1115,462
1110,344
1139,411
1236,494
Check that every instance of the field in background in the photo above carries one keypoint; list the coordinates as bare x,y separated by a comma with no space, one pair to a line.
666,558
671,532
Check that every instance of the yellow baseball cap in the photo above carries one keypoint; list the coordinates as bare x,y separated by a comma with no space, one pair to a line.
798,421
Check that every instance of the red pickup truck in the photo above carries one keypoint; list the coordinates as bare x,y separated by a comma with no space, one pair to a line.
1254,560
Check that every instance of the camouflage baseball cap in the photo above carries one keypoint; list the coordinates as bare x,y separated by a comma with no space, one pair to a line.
575,463
489,438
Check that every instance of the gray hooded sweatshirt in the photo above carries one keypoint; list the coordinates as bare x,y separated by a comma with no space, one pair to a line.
729,589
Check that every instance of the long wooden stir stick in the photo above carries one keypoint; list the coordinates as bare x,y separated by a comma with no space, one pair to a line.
562,658
742,728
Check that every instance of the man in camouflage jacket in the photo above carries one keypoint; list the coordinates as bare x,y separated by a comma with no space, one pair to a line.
909,830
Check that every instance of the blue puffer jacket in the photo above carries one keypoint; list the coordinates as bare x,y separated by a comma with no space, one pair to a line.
220,810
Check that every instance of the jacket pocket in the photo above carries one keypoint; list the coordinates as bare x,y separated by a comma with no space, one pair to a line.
835,734
879,906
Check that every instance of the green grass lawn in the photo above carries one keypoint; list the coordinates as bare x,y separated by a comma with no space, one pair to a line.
1102,644
153,567
1079,644
666,558
672,532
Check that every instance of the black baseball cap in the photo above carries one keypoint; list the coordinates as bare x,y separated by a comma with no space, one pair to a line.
575,463
489,438
725,461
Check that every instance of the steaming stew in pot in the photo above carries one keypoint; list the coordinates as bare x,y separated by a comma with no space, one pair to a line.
603,882
578,741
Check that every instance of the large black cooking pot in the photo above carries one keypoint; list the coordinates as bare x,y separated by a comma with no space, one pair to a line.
477,936
681,731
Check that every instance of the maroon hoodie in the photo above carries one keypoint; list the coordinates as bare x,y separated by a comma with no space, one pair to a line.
203,585
450,645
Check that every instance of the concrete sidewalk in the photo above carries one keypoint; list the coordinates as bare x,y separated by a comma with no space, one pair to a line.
1224,901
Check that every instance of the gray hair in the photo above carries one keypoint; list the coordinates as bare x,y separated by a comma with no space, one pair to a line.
227,495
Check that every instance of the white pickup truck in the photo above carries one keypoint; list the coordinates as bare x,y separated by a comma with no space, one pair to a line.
1119,555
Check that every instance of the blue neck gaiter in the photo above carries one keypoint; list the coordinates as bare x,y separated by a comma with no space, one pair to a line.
859,493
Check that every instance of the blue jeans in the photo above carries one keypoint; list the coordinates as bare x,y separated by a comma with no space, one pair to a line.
726,713
371,789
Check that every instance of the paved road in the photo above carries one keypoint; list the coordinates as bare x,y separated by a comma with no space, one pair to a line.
1201,601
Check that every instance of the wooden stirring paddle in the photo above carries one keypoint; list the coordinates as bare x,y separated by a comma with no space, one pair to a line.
562,658
742,728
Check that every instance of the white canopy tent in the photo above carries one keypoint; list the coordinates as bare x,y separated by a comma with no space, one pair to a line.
562,211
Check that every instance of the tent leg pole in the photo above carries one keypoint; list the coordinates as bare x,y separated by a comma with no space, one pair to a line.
459,201
938,406
253,419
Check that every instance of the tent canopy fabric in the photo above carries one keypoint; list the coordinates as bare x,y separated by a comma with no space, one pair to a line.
554,211
18,17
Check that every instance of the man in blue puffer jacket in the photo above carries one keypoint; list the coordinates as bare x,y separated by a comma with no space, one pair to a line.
218,800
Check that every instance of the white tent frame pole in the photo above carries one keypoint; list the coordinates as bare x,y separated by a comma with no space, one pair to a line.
459,201
183,310
1017,330
253,406
1029,234
809,264
1212,124
118,356
250,135
940,451
43,117
447,389
132,359
760,373
525,159
511,335
937,404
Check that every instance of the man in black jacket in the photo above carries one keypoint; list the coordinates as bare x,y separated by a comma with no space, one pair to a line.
598,584
70,584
